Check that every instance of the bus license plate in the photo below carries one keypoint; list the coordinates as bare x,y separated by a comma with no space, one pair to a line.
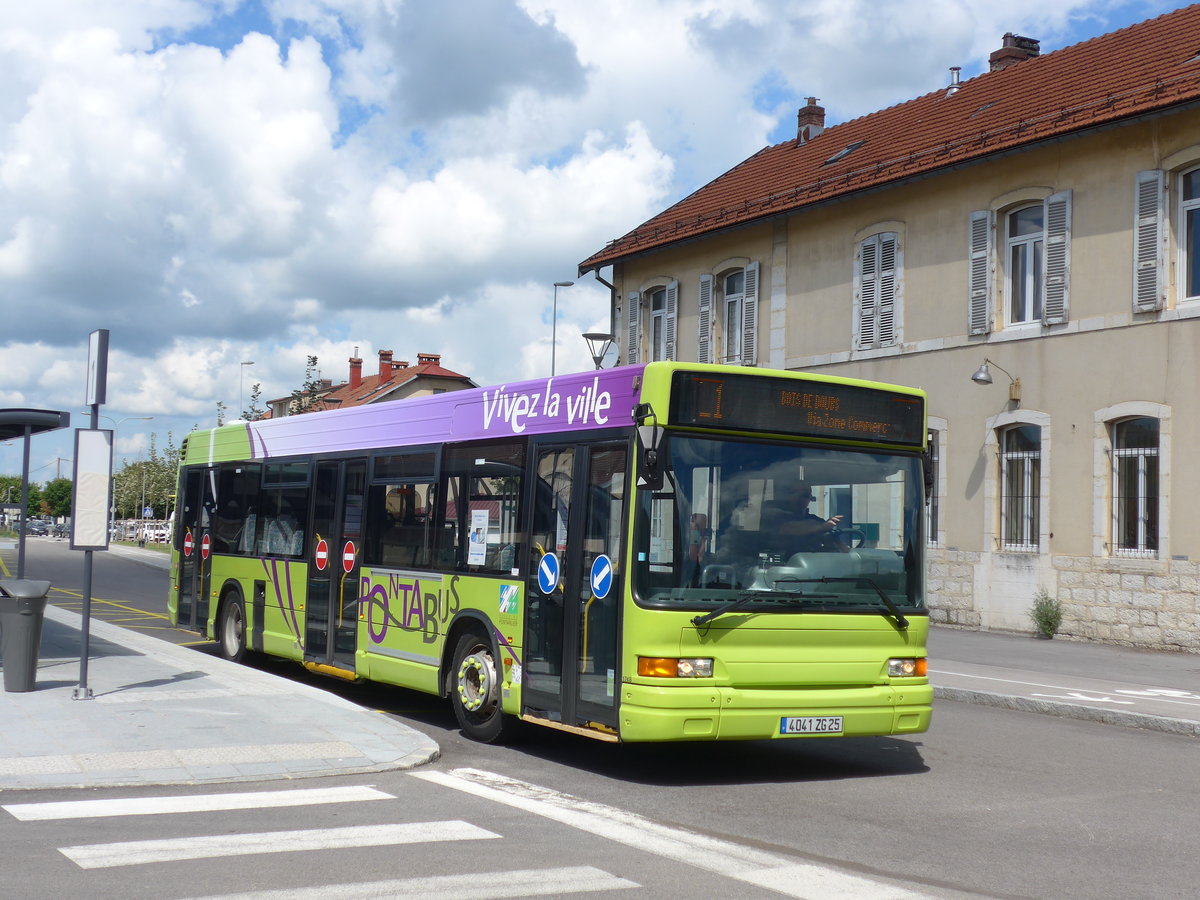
810,725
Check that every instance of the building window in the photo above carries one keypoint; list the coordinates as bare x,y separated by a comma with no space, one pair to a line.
1025,252
1035,254
734,286
1020,478
1135,487
728,310
658,324
1190,244
877,291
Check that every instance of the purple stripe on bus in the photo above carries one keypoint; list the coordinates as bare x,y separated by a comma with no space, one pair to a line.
579,402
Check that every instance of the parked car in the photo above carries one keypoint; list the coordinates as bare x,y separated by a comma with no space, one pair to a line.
38,528
60,530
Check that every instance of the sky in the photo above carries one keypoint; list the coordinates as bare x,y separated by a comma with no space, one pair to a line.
224,182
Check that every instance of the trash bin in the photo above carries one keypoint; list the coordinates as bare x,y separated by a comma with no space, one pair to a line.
22,609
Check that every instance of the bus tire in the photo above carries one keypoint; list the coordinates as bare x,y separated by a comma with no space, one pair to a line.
475,690
231,630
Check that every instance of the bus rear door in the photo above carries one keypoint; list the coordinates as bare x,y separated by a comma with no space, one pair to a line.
191,601
575,573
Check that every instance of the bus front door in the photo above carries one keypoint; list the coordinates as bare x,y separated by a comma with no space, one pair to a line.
331,612
573,623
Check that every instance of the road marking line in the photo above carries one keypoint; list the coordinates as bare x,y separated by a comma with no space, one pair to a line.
1060,687
136,853
151,806
478,886
760,867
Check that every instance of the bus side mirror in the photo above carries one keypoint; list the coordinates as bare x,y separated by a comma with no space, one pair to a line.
927,470
649,434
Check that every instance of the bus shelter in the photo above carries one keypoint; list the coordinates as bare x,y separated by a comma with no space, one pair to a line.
25,423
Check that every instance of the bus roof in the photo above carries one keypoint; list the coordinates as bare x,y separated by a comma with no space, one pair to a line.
583,401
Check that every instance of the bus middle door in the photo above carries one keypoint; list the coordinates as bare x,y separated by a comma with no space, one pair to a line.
331,611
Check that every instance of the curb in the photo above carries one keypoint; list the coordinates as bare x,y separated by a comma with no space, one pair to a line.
1145,721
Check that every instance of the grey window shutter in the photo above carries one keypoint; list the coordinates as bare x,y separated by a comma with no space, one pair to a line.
866,290
633,328
889,267
979,275
750,316
1056,307
669,317
704,336
1148,234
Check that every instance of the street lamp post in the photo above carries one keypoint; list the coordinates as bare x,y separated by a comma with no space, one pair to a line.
241,373
554,323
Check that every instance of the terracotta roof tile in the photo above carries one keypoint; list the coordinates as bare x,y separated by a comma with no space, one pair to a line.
1145,68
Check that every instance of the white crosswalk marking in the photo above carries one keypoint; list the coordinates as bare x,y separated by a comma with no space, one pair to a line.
476,886
760,867
133,853
149,806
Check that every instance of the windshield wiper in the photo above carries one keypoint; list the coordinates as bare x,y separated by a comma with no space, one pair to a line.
749,596
827,579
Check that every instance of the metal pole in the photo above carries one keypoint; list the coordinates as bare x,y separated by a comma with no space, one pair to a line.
82,691
24,505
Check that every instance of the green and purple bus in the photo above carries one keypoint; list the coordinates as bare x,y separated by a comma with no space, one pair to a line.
659,552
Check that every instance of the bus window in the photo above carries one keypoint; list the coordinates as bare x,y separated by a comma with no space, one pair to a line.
236,504
283,510
398,524
481,530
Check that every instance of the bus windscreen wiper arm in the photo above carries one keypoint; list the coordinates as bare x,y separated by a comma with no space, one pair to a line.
749,596
887,601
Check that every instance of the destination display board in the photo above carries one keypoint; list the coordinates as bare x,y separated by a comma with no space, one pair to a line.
822,409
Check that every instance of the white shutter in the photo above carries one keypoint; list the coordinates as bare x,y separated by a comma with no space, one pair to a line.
669,317
979,275
704,336
889,268
1148,234
750,316
1056,307
866,289
633,328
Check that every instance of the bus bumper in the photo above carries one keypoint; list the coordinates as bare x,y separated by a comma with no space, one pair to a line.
714,713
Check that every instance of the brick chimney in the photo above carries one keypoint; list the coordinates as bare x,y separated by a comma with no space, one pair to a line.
385,365
355,372
1014,49
433,359
810,121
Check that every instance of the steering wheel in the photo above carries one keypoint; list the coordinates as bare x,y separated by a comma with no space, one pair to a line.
847,537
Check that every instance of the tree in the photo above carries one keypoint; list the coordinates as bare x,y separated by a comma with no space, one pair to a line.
56,497
220,413
255,412
306,396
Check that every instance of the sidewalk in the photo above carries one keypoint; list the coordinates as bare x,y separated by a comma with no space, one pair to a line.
164,714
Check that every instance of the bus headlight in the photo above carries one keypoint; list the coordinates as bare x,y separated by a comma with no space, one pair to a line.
675,667
908,668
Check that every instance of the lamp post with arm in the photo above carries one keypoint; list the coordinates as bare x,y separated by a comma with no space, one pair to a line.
241,374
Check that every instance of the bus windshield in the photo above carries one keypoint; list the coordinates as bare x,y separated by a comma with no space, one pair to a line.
781,527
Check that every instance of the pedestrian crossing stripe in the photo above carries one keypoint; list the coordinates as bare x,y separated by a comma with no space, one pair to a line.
135,853
475,886
148,806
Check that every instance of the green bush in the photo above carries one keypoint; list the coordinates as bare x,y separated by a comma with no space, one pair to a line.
1046,613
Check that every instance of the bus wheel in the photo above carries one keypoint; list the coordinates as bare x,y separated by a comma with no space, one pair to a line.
475,691
232,629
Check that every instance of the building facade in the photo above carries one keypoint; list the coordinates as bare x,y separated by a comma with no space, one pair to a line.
1041,219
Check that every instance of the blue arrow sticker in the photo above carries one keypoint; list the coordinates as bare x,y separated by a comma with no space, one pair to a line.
548,573
602,576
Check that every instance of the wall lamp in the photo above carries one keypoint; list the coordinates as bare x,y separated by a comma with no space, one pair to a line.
598,344
983,375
